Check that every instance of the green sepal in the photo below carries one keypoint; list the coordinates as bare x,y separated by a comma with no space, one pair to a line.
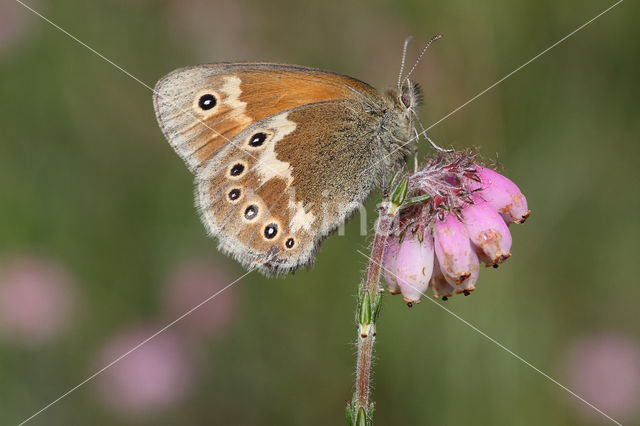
362,417
394,178
365,314
349,415
351,410
416,200
376,306
400,193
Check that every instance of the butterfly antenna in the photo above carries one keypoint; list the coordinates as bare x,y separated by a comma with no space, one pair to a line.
434,38
404,56
424,133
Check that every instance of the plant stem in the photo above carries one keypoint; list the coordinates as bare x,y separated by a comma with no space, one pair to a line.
369,300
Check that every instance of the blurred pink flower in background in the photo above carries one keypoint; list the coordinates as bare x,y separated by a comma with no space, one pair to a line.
155,376
192,282
15,22
605,370
37,300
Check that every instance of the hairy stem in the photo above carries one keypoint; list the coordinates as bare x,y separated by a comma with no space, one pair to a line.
369,300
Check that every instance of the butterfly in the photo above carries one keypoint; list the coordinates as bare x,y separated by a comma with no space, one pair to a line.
282,154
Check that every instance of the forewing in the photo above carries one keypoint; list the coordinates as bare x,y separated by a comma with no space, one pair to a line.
201,109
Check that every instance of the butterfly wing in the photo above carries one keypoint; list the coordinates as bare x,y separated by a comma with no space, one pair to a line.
201,108
277,159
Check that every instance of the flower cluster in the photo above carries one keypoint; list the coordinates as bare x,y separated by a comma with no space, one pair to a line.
456,215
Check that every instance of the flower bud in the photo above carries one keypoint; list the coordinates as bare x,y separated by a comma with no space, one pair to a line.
414,266
439,285
389,262
487,230
453,249
501,194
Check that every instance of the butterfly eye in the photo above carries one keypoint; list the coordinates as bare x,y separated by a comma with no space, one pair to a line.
406,100
207,102
289,243
257,139
271,230
237,169
251,212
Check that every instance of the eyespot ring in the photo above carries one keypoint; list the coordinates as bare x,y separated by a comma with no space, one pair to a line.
235,194
271,229
251,212
258,139
237,169
289,243
206,102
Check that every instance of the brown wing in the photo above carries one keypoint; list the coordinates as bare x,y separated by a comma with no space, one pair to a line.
270,204
202,108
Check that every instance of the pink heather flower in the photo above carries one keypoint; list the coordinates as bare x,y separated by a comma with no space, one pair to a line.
439,285
469,284
415,265
605,370
37,300
457,259
190,284
156,376
501,194
466,208
488,231
389,263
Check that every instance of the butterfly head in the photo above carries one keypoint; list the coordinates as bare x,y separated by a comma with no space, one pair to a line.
405,100
399,118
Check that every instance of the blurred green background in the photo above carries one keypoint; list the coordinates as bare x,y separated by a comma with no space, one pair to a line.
88,182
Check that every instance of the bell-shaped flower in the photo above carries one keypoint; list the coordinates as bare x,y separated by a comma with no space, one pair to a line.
501,194
487,230
453,249
415,265
439,285
469,284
